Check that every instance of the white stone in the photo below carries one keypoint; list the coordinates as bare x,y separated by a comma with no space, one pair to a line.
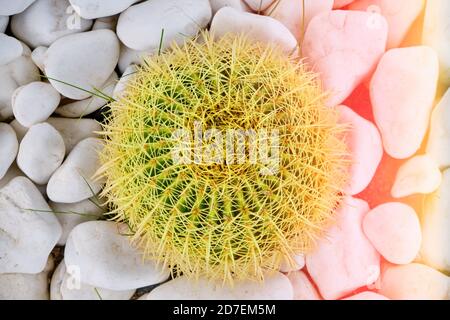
259,5
140,26
109,23
10,49
22,286
343,48
365,147
290,13
85,60
8,147
75,130
30,230
81,108
257,28
129,56
19,129
436,33
12,172
297,263
15,74
73,180
34,103
341,3
303,287
107,259
344,260
418,175
4,20
11,7
46,21
274,287
399,14
394,230
66,286
414,282
127,76
438,146
38,57
435,220
366,295
92,9
240,5
72,214
41,152
402,92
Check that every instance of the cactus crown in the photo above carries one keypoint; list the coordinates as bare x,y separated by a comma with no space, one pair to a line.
217,218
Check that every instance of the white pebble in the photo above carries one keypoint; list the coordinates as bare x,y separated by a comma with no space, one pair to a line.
67,286
46,21
124,81
29,228
73,180
41,152
4,20
435,249
22,286
34,103
109,23
19,129
106,258
10,49
85,60
304,289
275,287
394,230
75,130
11,7
140,27
8,147
257,28
438,146
259,5
81,108
418,175
402,92
38,57
240,5
129,56
297,263
92,9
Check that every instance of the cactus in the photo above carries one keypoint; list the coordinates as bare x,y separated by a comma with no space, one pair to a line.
222,219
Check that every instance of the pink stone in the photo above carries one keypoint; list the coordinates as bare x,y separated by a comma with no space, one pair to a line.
365,147
400,15
259,5
303,288
394,230
414,282
290,13
343,47
344,259
341,3
367,295
402,92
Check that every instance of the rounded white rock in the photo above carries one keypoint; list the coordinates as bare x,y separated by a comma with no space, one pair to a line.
418,175
275,287
4,20
67,286
240,5
73,180
402,93
259,5
34,103
295,263
258,28
394,230
46,21
105,258
8,147
9,8
92,9
303,288
84,60
144,25
10,49
41,152
30,230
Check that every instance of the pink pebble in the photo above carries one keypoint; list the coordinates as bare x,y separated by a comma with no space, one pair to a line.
365,147
394,230
367,295
341,3
402,92
344,260
303,288
343,47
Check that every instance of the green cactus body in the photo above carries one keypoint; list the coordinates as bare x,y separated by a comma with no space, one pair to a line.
222,219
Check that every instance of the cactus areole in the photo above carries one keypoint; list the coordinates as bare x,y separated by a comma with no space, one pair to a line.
223,159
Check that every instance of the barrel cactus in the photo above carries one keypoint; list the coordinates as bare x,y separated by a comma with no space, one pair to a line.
184,160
